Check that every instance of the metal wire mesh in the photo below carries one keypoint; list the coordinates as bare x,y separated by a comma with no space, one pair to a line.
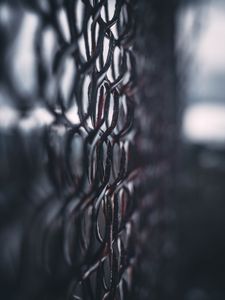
68,142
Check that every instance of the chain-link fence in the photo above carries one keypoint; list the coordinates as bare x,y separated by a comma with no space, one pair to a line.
67,105
83,157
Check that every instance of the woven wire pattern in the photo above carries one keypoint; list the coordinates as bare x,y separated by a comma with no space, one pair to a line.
78,242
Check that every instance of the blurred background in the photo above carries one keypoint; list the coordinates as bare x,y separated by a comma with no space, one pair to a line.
200,206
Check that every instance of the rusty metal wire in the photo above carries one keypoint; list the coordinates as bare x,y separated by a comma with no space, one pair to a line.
78,243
